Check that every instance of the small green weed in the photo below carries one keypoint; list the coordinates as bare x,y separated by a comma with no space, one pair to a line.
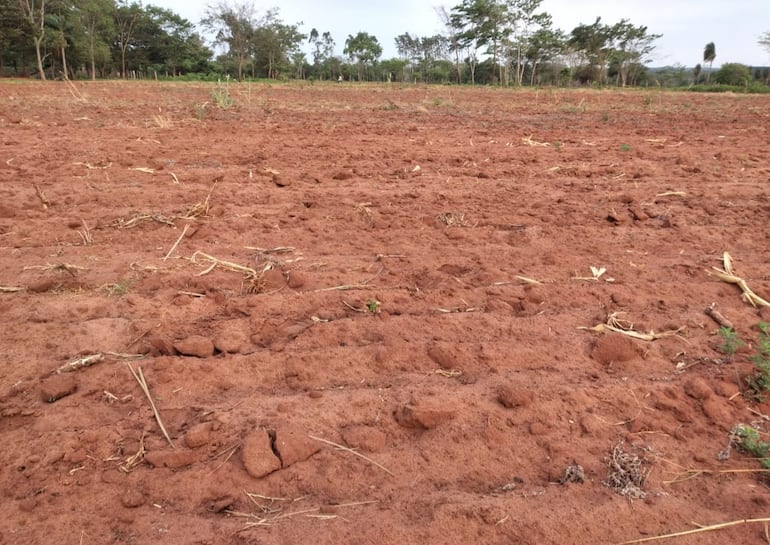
625,147
220,95
373,306
760,381
749,440
119,289
731,342
557,145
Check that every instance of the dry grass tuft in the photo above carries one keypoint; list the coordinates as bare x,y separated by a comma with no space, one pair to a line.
453,219
627,473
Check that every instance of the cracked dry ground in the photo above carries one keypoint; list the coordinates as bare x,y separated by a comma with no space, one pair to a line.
400,271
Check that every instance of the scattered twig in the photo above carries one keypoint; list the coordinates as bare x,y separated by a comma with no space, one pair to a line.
672,194
191,293
199,209
350,450
697,530
718,317
42,197
121,223
448,373
85,361
528,141
11,289
345,287
620,326
143,384
146,170
136,459
85,234
693,473
173,176
178,240
61,267
728,275
527,280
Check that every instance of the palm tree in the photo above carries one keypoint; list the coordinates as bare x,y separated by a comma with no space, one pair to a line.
696,73
709,54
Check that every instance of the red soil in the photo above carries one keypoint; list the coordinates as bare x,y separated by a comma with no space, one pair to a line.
391,231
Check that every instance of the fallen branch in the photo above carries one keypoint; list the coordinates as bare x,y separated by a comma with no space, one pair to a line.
42,197
143,384
62,267
85,361
728,275
718,317
11,289
615,325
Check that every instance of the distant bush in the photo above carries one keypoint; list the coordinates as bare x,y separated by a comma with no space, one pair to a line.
733,73
721,88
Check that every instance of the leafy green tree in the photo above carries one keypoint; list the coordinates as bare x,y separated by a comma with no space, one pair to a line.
126,17
12,34
323,50
59,29
275,43
523,21
733,73
364,49
481,25
94,18
545,45
632,45
709,54
594,42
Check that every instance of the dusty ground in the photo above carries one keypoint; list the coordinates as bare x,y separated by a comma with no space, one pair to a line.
391,237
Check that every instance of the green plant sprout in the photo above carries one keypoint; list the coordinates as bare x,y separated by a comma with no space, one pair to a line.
760,381
749,440
730,342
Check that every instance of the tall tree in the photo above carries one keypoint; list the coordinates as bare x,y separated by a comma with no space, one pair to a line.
233,25
453,38
12,35
275,43
594,41
631,47
34,15
126,17
709,54
482,23
96,22
523,20
545,44
364,49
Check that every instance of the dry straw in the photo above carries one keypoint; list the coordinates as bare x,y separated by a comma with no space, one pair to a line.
143,384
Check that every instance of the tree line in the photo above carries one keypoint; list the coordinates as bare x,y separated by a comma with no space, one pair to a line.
505,42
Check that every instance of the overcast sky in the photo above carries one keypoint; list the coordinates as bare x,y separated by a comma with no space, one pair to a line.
687,25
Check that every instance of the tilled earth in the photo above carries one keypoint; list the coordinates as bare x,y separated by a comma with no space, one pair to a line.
363,314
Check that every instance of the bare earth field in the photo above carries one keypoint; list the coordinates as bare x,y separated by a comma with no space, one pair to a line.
369,329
